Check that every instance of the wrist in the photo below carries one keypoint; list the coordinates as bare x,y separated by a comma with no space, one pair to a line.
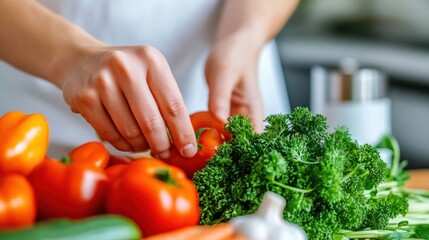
72,55
253,33
238,48
249,39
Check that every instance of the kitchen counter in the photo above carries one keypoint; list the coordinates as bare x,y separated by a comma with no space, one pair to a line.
419,179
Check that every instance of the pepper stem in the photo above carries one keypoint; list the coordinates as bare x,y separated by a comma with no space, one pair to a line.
66,160
164,175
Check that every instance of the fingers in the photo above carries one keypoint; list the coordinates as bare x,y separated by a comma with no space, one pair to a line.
132,73
116,105
221,85
230,93
131,99
248,102
88,104
172,107
156,103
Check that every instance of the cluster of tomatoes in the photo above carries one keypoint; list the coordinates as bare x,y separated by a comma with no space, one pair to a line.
158,196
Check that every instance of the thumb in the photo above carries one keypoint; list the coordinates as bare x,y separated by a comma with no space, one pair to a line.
221,84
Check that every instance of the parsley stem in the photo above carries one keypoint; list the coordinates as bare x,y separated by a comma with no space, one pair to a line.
351,173
305,162
291,188
387,185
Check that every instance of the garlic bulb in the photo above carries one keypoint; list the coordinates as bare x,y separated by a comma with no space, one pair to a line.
268,223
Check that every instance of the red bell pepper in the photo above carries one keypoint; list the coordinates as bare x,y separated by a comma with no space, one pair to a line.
74,187
115,171
158,197
93,153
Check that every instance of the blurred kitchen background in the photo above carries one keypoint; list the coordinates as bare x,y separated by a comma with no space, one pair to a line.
389,35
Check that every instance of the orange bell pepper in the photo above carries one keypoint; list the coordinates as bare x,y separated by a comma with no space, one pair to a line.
156,196
17,202
24,142
73,189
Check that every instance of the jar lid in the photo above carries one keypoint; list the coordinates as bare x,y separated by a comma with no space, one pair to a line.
361,85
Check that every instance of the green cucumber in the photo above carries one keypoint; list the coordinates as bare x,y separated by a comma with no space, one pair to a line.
101,227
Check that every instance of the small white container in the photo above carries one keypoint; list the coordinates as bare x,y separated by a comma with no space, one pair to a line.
367,121
355,98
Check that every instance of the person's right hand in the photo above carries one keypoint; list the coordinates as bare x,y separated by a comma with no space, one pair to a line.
130,97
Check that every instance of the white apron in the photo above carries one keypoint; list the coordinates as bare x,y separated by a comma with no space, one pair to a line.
181,30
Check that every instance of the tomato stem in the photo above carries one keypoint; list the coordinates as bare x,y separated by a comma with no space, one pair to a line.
198,135
164,175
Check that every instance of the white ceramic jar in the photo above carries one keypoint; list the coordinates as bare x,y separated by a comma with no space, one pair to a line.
354,97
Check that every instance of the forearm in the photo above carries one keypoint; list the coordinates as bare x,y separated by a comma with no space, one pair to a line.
259,20
38,41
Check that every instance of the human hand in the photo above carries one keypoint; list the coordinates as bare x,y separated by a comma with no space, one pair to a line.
130,97
232,78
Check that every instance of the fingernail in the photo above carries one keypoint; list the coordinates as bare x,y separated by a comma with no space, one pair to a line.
164,155
189,150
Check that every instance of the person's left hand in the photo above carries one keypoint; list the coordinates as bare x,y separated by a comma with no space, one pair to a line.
232,77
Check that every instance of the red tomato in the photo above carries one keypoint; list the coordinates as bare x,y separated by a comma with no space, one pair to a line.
210,135
156,196
208,142
205,119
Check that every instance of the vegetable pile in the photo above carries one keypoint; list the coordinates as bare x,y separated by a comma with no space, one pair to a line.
334,187
88,181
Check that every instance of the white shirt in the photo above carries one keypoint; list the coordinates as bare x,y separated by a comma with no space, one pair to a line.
182,30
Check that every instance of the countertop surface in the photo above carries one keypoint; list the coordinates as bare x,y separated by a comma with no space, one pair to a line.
419,179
